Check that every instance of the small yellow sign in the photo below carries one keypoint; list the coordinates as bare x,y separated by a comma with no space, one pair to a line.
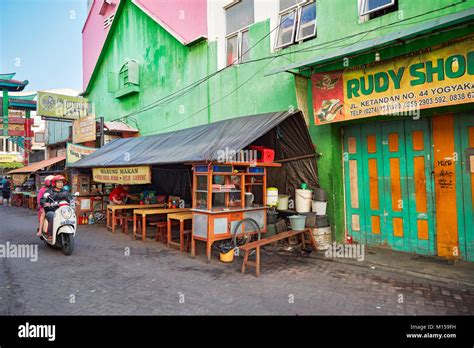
84,130
8,158
123,175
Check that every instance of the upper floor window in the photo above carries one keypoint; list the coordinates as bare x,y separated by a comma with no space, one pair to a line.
127,81
376,8
297,22
239,16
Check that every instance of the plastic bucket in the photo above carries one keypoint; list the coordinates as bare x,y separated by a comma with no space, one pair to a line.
310,219
227,257
297,222
283,202
320,195
272,196
303,201
319,207
322,221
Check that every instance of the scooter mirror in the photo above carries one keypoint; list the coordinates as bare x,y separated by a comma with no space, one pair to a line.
46,195
76,194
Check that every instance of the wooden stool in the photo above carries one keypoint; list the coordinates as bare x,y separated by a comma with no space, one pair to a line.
161,230
187,237
124,220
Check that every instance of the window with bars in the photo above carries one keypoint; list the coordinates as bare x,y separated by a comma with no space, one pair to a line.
297,22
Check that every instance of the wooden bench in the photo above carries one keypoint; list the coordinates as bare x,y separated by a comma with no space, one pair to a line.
265,241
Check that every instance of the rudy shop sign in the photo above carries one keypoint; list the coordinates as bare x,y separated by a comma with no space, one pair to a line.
433,78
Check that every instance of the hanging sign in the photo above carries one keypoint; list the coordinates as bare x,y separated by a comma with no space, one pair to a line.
63,107
84,130
76,152
436,77
123,175
19,179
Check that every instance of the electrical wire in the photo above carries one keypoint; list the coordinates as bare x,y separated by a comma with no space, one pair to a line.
188,89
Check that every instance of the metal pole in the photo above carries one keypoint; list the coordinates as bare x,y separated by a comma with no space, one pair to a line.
102,140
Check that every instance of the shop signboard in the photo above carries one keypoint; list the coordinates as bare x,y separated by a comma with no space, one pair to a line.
76,152
123,175
19,179
9,158
435,77
63,107
84,130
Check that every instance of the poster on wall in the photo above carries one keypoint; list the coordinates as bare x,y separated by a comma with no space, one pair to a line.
436,77
84,130
122,175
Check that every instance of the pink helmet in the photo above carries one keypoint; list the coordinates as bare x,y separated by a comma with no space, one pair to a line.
47,180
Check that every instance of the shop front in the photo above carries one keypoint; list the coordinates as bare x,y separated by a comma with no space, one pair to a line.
407,132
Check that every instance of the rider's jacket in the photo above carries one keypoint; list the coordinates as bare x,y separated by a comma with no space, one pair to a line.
56,196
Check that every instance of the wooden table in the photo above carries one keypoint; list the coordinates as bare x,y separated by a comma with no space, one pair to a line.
181,217
112,208
145,212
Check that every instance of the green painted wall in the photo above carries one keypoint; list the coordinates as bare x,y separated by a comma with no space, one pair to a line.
166,67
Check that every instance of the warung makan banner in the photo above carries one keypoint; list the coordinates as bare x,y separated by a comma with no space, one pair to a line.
434,78
122,175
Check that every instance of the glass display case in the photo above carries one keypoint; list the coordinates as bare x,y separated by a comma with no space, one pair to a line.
225,194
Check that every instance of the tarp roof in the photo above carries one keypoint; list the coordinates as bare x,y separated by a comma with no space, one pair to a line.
201,143
434,25
32,168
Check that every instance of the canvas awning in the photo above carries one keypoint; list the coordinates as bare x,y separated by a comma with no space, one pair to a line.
430,26
285,132
32,168
201,143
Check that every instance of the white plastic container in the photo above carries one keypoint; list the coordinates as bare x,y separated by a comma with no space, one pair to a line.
319,207
323,238
272,196
283,202
303,201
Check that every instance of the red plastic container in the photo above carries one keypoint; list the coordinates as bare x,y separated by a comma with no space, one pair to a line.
264,154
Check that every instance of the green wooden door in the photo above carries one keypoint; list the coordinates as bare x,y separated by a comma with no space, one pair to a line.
420,185
397,222
354,175
389,187
465,127
373,183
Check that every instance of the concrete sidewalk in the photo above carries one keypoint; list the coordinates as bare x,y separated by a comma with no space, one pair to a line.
428,267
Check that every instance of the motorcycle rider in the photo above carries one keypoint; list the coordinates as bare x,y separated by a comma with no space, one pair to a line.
41,213
56,194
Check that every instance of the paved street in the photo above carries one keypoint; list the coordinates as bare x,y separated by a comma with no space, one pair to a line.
101,278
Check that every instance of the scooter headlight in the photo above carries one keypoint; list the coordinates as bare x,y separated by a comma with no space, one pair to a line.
66,213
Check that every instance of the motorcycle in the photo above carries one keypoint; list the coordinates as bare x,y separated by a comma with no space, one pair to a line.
64,225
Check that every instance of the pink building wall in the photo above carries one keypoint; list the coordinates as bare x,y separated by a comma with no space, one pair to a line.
186,20
93,37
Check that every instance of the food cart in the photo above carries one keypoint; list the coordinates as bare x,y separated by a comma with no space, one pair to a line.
223,196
